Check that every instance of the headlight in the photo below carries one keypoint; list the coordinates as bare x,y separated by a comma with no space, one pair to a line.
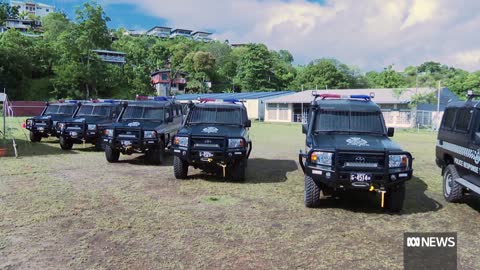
322,158
55,123
92,127
60,126
236,143
397,161
29,122
181,141
149,134
108,132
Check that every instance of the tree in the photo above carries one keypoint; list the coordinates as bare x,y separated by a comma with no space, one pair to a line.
388,78
256,69
7,11
324,74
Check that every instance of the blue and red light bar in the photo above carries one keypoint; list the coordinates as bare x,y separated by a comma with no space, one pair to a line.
232,100
205,100
325,96
155,98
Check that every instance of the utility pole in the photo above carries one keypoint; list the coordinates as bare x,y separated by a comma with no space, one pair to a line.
4,114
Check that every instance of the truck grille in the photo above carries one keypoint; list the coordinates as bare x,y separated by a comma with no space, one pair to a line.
42,123
208,142
73,126
361,160
128,133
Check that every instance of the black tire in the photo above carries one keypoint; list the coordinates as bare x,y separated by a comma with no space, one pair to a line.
156,155
65,144
394,198
452,191
34,137
112,155
99,145
311,193
237,172
180,168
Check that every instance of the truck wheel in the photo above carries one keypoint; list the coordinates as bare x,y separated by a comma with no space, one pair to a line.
35,137
99,145
394,198
180,168
65,144
452,191
157,154
111,154
311,193
237,171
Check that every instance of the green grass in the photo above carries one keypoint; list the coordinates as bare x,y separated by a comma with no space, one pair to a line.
74,210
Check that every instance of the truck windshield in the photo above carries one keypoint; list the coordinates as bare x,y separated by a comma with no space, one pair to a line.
59,109
348,121
215,115
142,112
91,110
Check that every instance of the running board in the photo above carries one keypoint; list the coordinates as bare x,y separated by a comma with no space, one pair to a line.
468,185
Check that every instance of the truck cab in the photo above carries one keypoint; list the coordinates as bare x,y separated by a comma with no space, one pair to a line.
347,147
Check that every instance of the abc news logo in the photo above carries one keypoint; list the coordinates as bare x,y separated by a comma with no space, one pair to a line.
431,241
430,251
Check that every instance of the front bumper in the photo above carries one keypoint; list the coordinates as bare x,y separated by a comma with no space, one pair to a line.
130,145
339,178
43,127
79,133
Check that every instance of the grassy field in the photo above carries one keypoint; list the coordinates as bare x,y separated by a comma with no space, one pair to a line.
74,210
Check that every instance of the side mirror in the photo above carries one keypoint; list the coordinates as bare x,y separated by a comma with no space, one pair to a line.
304,128
248,123
390,132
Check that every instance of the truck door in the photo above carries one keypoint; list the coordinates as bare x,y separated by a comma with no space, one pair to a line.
472,174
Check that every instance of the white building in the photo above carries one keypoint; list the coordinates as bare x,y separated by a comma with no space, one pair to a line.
31,7
159,31
202,36
181,33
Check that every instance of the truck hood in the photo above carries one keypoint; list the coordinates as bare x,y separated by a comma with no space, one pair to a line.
355,142
137,124
53,117
99,120
212,130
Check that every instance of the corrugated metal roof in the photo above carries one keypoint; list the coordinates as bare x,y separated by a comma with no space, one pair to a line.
382,95
246,95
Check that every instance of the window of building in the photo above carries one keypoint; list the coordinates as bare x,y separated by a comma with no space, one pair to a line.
48,10
164,76
463,120
283,112
449,118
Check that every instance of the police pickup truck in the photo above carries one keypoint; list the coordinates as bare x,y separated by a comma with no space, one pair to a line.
44,125
88,123
348,148
214,138
144,126
458,148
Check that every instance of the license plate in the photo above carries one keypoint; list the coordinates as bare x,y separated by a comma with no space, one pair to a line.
40,129
360,177
73,134
126,143
206,154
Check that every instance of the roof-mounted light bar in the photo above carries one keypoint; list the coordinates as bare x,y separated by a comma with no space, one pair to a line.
337,96
154,98
205,100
